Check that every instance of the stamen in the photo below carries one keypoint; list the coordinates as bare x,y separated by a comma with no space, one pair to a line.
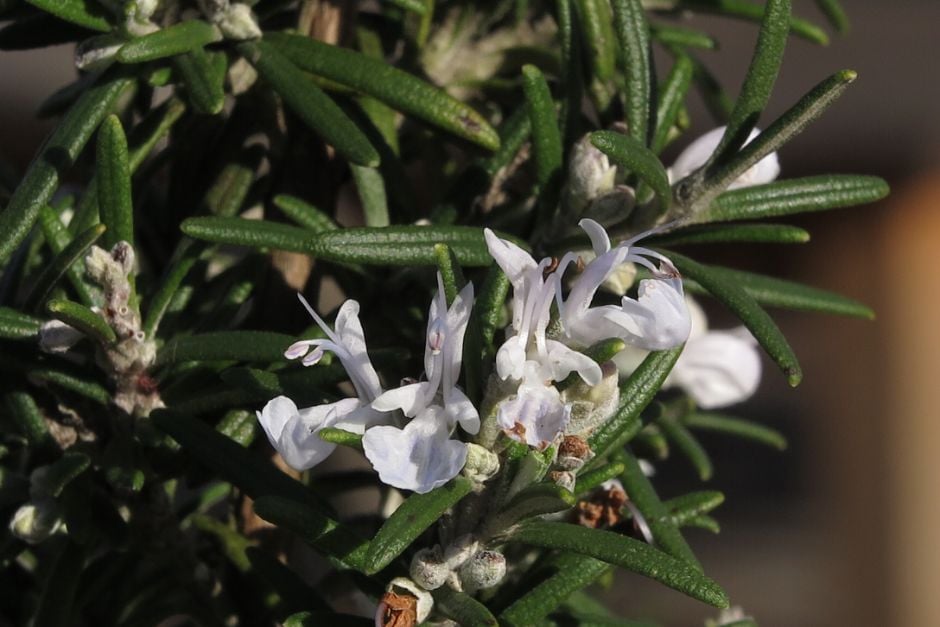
313,357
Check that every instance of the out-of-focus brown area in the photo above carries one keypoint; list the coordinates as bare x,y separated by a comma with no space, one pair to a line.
844,527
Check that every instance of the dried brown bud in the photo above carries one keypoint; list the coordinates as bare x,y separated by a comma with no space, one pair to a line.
602,509
397,610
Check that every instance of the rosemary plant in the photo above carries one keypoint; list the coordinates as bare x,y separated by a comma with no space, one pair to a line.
470,201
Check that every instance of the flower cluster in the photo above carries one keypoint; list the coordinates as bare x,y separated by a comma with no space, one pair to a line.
410,433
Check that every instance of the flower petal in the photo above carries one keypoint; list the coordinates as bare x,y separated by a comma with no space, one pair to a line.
514,261
360,368
699,151
718,369
460,410
535,415
293,433
565,360
600,241
510,359
419,457
659,316
411,398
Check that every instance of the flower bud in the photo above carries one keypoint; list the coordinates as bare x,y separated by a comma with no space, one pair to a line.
238,22
36,521
573,453
460,550
404,604
591,406
482,463
428,569
589,175
57,337
483,570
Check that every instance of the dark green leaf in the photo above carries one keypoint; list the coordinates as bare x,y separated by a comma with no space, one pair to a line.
55,607
304,214
546,137
60,264
633,32
625,552
572,572
736,427
417,513
310,104
719,234
203,79
385,83
371,190
688,444
814,193
341,437
683,508
736,298
642,493
58,238
629,154
114,183
85,387
254,346
28,418
462,608
394,245
536,500
57,155
239,425
775,292
15,325
56,476
589,480
781,130
635,395
174,39
745,9
83,319
596,30
676,36
834,12
671,98
87,13
321,532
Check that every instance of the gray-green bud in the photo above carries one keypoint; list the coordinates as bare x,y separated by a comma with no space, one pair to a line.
429,569
482,463
483,570
35,521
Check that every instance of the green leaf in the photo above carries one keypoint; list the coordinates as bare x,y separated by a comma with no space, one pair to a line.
572,572
633,32
170,41
250,472
114,183
671,98
834,12
253,346
85,387
56,605
58,238
315,619
239,425
60,264
688,444
684,37
744,9
684,508
83,319
627,153
397,89
321,532
546,137
781,130
371,190
186,256
760,78
589,480
635,395
27,417
625,552
451,274
417,513
570,71
704,522
462,608
304,214
736,298
775,292
57,155
229,190
596,29
740,233
393,245
87,13
536,500
642,493
56,476
341,437
204,80
310,104
814,193
415,6
15,325
706,421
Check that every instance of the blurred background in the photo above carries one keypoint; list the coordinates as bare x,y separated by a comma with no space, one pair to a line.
843,528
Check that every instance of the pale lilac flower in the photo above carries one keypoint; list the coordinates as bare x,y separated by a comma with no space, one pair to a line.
656,320
536,414
532,296
292,431
419,457
699,151
443,356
